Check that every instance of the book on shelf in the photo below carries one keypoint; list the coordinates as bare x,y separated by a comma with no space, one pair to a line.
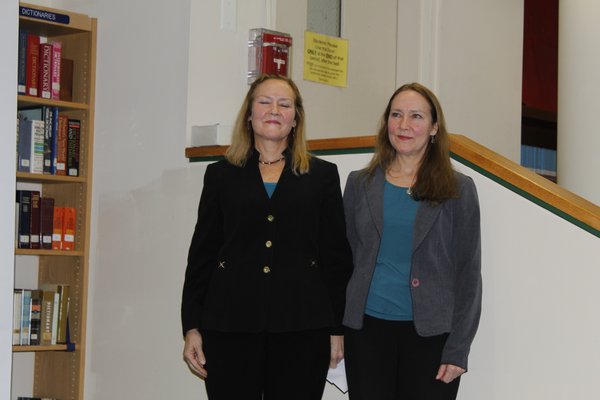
61,310
32,64
17,299
56,70
24,200
42,71
63,314
43,225
45,72
55,317
40,224
61,145
34,221
46,222
22,63
17,215
35,320
57,228
41,315
25,316
48,118
73,143
24,146
69,224
54,150
37,147
47,322
31,135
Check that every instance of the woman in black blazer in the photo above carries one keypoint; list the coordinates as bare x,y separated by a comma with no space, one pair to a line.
269,261
414,298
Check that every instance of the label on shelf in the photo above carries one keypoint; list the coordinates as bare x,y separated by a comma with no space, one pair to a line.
44,15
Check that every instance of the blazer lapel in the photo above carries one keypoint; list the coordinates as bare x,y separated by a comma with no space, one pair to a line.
426,216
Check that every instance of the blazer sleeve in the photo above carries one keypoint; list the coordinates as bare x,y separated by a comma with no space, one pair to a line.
466,240
203,251
334,248
349,202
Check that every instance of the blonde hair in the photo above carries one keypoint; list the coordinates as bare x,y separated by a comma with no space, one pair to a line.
242,141
436,179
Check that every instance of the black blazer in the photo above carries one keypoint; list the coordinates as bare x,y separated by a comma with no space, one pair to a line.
267,264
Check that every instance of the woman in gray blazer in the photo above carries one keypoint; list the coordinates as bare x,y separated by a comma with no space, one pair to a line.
414,299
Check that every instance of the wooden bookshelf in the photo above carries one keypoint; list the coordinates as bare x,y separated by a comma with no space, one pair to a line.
59,369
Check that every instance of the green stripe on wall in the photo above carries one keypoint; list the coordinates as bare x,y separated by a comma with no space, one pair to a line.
527,195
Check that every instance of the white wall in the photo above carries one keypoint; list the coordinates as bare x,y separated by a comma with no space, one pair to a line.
538,337
479,71
578,141
8,111
218,62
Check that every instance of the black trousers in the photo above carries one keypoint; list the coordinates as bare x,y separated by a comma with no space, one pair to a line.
388,360
266,366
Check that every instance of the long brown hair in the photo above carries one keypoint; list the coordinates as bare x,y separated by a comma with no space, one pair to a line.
242,141
436,179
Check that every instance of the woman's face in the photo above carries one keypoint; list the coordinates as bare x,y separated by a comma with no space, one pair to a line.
410,124
273,111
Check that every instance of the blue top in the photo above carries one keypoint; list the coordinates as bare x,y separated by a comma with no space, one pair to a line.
389,294
270,187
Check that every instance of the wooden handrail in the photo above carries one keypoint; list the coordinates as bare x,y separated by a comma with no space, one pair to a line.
492,164
526,181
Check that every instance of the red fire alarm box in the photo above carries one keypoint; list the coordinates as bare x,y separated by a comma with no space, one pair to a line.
268,53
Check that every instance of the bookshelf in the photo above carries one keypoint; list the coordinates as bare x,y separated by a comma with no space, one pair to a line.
58,370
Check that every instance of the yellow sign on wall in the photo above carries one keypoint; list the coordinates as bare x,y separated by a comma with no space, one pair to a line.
325,59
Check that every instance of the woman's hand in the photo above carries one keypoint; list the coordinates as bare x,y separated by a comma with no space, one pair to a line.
337,350
193,354
448,372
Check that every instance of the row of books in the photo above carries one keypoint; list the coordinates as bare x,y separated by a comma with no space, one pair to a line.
42,225
42,71
40,316
48,142
35,398
540,160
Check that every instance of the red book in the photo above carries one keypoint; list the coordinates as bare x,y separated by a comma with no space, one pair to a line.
46,221
61,145
34,223
68,237
55,72
45,74
57,228
33,55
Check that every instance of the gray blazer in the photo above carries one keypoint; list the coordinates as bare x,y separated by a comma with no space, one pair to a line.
446,261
